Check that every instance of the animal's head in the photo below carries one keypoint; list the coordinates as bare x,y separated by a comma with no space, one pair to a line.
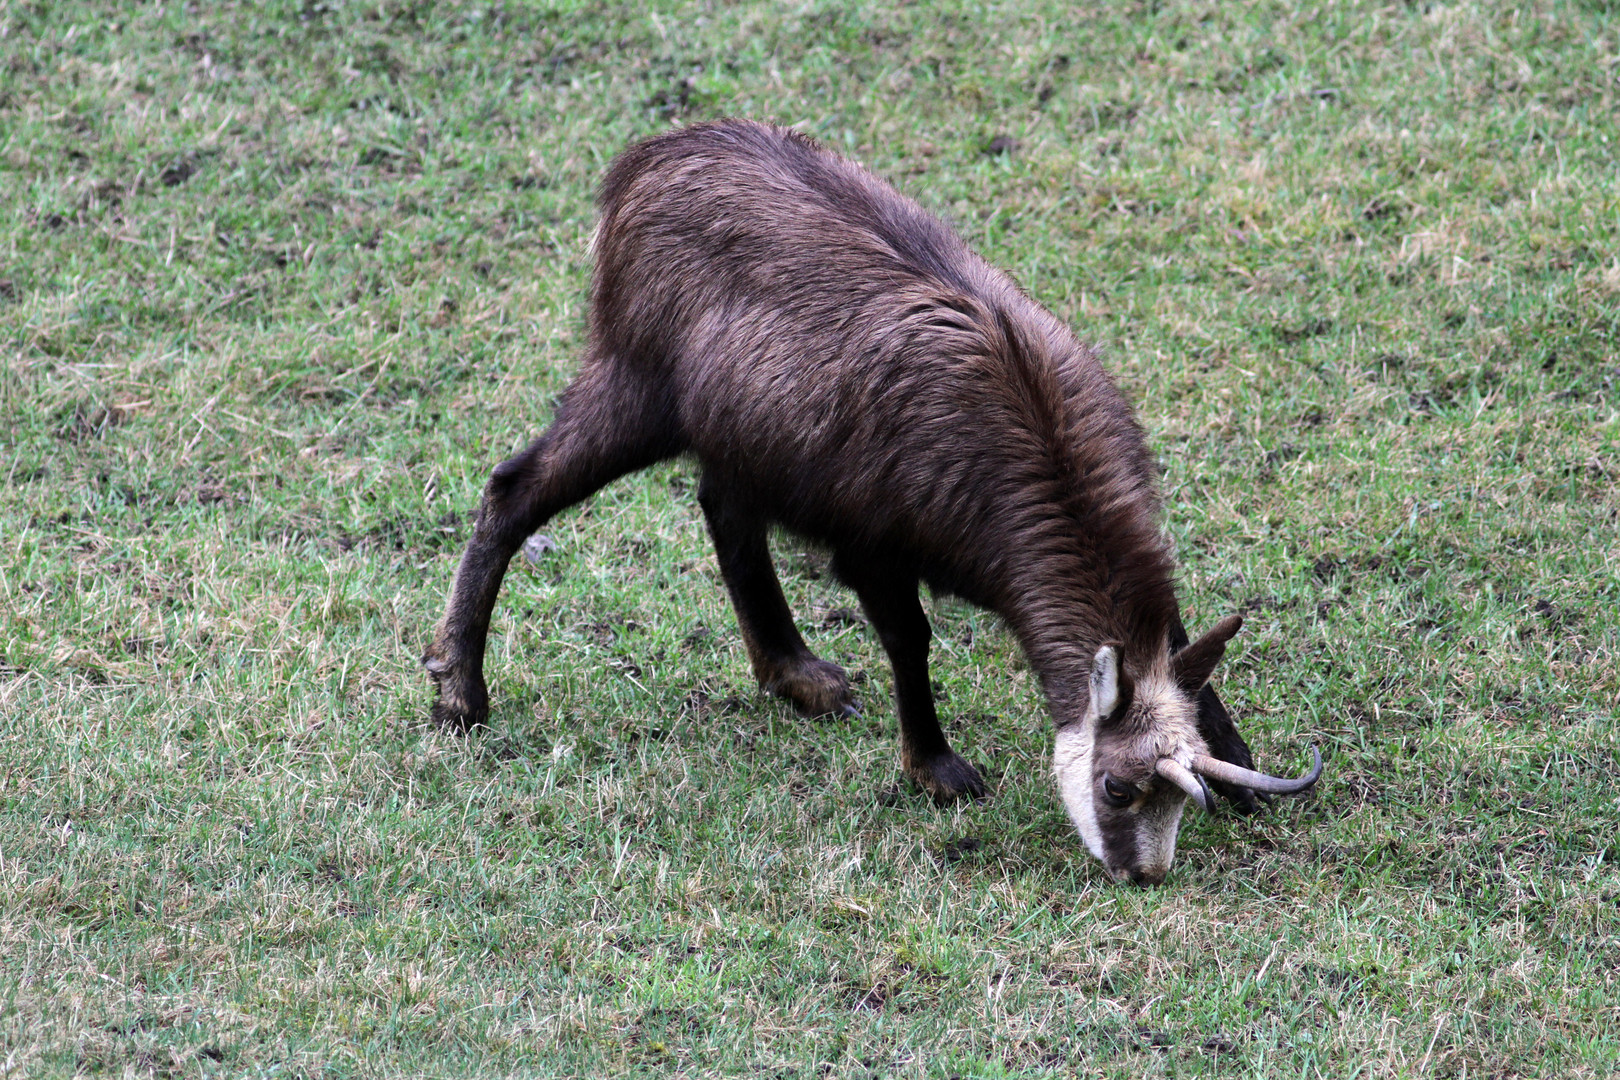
1128,766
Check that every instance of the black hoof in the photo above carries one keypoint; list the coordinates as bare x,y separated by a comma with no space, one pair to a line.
949,778
460,714
814,688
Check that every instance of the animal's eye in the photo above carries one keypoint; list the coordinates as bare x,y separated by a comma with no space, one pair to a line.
1119,793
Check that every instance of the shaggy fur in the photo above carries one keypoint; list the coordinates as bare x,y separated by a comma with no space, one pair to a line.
839,362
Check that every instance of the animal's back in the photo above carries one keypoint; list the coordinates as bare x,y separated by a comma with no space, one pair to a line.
842,352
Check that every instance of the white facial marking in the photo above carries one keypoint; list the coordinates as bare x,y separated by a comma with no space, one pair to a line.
1071,761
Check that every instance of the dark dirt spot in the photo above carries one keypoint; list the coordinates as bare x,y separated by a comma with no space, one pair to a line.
1290,335
956,850
1553,615
626,665
1218,1044
1047,87
872,999
1272,458
178,173
1154,1040
8,290
1286,452
842,616
1338,978
674,100
652,734
86,421
210,492
1380,210
1383,364
1000,145
605,632
134,1024
530,182
445,314
379,155
184,167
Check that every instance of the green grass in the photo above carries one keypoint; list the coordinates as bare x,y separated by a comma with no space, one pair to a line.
280,283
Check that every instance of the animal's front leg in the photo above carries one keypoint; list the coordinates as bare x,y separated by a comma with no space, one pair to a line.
889,597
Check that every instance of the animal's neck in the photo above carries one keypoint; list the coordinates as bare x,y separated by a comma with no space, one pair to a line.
1071,603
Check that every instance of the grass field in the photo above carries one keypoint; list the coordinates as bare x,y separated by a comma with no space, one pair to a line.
280,282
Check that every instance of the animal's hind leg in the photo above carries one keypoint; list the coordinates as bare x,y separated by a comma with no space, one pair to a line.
605,427
782,662
889,598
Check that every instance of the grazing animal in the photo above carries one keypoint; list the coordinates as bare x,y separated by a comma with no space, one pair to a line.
839,362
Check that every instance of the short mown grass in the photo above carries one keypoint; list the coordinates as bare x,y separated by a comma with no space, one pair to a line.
280,282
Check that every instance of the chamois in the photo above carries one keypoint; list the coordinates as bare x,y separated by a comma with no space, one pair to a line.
840,363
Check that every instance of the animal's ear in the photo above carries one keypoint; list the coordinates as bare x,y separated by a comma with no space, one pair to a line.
1193,665
1111,688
